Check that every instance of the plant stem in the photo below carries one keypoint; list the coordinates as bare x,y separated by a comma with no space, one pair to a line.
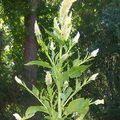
59,104
49,58
69,98
60,51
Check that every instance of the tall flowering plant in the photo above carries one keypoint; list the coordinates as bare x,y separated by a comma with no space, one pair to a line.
58,101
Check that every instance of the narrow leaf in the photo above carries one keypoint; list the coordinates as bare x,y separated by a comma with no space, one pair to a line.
39,63
30,112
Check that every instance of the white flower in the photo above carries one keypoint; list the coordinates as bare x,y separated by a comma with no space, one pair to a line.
48,78
18,80
36,29
97,102
94,53
17,116
52,47
93,77
76,38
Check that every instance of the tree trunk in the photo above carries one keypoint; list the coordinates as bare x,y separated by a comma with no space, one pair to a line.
30,53
30,45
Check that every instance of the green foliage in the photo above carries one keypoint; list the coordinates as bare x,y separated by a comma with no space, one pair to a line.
58,101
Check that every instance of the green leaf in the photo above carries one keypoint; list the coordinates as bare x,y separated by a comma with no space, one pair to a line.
76,71
64,77
66,94
30,112
80,105
35,91
39,63
76,62
45,101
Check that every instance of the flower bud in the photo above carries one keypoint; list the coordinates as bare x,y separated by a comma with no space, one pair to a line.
66,83
52,47
17,116
94,53
18,80
48,78
36,29
93,77
97,102
76,38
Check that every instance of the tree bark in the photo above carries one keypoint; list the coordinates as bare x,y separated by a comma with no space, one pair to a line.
30,44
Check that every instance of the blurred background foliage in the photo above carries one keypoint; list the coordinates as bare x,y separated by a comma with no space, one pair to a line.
99,24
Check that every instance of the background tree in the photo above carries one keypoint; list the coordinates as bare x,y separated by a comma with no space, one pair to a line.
30,44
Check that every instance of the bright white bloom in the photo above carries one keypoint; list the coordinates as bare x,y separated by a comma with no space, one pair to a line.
97,102
76,38
64,9
94,53
18,80
93,77
17,116
48,78
52,47
36,29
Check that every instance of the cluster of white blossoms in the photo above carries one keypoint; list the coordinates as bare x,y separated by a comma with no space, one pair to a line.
63,26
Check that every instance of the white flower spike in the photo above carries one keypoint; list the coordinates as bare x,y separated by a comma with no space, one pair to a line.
17,116
18,80
97,102
64,9
94,53
93,77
